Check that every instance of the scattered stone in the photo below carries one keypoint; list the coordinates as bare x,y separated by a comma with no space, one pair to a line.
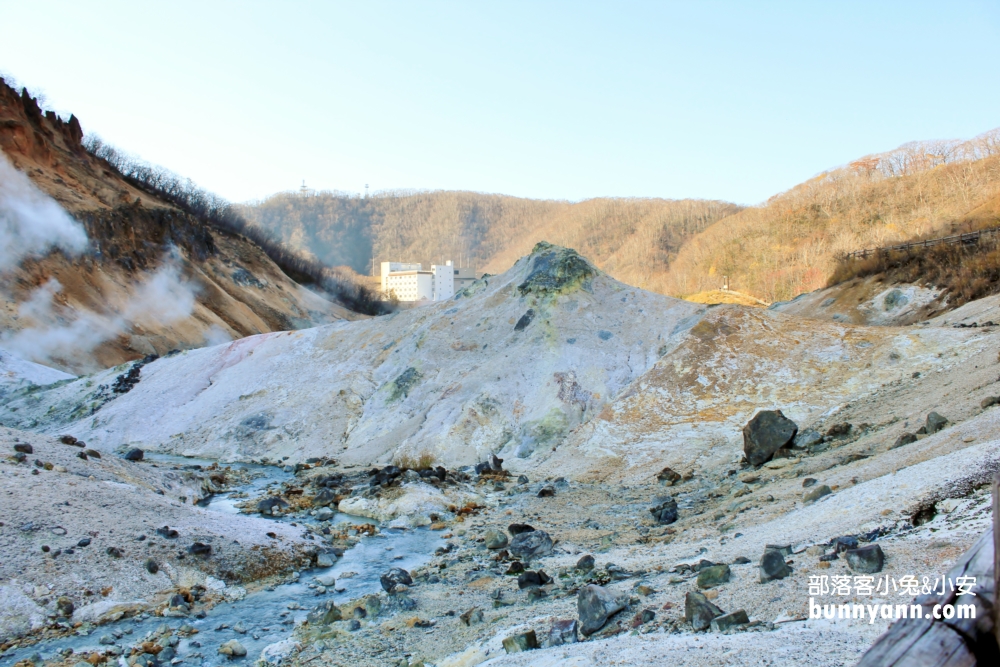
518,528
200,549
866,560
114,552
324,498
82,455
474,615
741,560
668,477
809,481
563,632
585,564
268,505
24,448
522,479
784,549
989,402
728,621
525,641
766,433
664,510
325,514
845,542
85,542
239,628
136,454
325,614
772,566
92,453
67,440
393,578
713,576
516,567
547,491
327,580
816,493
167,532
233,649
935,423
839,430
324,560
495,539
64,607
698,611
106,640
904,439
596,605
151,566
526,546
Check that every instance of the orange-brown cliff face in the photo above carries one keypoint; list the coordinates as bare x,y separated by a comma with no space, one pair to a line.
239,290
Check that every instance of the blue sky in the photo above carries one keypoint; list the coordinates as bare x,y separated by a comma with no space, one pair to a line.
724,100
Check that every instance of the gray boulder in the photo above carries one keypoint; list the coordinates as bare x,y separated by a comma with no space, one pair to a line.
766,433
527,546
935,423
324,614
904,439
728,621
816,492
595,605
563,632
664,510
713,576
135,454
524,641
393,578
772,566
495,539
698,611
866,560
807,438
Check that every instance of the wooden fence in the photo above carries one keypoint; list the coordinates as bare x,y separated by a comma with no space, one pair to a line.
957,641
968,238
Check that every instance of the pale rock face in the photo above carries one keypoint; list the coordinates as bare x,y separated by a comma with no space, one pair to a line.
511,365
20,614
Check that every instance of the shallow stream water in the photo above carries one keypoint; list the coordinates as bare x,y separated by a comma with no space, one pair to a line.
268,616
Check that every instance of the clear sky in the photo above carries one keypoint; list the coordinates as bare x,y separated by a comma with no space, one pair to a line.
572,100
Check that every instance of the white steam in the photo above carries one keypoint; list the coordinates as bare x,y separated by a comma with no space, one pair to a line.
32,223
68,337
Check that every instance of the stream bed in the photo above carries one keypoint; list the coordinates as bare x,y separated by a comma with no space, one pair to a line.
267,616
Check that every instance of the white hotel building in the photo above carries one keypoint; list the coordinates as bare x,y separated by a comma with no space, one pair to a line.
409,282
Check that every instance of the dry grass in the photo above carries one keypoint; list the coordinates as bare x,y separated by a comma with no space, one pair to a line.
422,461
790,244
965,273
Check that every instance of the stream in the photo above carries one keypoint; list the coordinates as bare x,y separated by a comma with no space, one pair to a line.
269,615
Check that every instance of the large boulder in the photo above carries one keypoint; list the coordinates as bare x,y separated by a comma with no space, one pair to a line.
773,566
935,423
766,433
596,605
866,560
528,546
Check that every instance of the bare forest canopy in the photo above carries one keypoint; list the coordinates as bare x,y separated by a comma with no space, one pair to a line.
791,244
632,239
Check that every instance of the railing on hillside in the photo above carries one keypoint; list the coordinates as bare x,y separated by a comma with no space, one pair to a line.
957,641
968,238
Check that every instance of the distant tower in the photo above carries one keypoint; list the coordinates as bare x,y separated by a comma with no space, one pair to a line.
303,190
366,191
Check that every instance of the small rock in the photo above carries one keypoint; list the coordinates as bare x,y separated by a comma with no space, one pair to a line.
644,590
136,454
935,423
989,402
807,438
527,546
713,576
547,491
668,477
904,439
838,430
327,580
772,566
239,628
522,479
845,542
585,564
516,567
664,510
595,604
324,614
563,632
698,611
151,566
324,560
67,440
866,560
472,616
808,481
324,514
268,505
783,549
106,640
233,649
518,528
495,539
85,542
816,493
64,607
393,578
92,453
200,549
730,620
766,433
741,560
114,552
524,641
82,455
24,448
